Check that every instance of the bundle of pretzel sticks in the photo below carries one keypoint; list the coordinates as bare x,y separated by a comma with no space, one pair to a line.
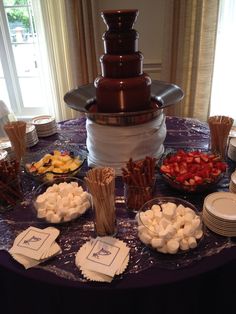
9,185
139,180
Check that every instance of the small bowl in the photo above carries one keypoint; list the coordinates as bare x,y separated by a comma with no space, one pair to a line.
157,225
195,180
53,172
61,200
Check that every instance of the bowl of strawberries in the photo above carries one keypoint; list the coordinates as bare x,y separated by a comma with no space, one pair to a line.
192,171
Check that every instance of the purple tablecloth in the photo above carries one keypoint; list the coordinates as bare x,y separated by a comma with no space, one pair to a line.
153,272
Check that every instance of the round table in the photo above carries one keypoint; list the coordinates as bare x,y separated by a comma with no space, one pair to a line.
153,289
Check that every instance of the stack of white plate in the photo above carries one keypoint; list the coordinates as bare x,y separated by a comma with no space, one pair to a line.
219,213
232,184
31,136
5,144
3,154
232,149
45,125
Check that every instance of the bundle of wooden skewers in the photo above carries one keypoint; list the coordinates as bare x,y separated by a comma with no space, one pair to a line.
16,131
10,191
101,185
219,130
139,181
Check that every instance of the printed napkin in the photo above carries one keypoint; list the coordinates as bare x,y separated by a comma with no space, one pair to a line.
34,246
102,258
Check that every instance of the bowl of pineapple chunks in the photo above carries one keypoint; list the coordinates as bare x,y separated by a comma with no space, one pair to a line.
55,164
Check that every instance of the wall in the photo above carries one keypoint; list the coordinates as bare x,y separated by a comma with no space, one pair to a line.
150,24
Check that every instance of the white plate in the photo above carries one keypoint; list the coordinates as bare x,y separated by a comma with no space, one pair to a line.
30,128
222,205
232,142
3,154
42,120
219,223
233,177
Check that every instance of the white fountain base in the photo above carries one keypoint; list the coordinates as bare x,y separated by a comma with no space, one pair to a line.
113,146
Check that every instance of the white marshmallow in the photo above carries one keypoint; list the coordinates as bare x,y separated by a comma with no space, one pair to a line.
141,228
41,212
84,196
55,219
158,215
180,210
163,249
188,230
51,206
71,214
149,214
196,223
188,217
164,222
157,242
168,210
184,244
156,209
172,246
40,200
145,220
74,184
82,208
49,215
180,233
192,242
198,234
189,210
145,237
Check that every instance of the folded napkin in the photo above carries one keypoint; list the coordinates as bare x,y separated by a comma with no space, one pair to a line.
102,258
34,246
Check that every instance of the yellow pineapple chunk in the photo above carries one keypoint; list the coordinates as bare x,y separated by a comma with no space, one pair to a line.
65,168
57,170
77,161
57,163
73,166
42,169
57,153
65,158
38,164
47,157
50,168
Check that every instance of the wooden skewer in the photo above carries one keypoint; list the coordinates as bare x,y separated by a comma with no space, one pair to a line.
101,184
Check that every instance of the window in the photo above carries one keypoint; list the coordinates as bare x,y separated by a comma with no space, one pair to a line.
223,87
24,77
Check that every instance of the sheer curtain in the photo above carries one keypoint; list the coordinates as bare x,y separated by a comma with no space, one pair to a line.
189,55
69,33
223,100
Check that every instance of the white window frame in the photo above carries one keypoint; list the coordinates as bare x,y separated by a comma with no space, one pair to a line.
10,71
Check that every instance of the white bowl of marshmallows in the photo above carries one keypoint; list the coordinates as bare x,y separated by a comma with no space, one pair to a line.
169,225
61,200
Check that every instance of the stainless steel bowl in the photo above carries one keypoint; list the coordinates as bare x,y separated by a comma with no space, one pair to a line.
163,95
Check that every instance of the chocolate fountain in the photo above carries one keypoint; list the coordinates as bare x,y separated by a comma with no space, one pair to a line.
124,108
122,87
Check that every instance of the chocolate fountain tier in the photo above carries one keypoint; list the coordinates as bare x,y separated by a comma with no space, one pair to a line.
125,42
83,99
119,19
124,94
116,66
